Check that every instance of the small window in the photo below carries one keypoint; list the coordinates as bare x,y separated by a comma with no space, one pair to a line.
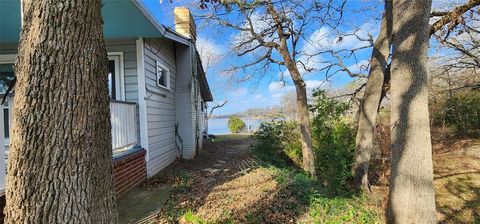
6,76
111,79
6,119
163,76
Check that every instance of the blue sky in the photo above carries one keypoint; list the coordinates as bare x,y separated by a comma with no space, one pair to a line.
362,16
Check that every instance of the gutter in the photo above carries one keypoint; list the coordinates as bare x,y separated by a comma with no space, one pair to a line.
167,33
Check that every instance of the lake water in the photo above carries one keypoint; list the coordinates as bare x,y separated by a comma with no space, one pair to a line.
218,126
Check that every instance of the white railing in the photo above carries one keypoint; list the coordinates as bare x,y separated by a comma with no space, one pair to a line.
124,124
123,118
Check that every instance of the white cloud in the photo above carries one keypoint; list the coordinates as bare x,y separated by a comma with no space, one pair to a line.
360,68
324,38
317,40
313,84
278,89
274,86
240,92
258,97
352,41
210,52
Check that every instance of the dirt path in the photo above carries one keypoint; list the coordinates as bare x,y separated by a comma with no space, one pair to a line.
214,178
226,184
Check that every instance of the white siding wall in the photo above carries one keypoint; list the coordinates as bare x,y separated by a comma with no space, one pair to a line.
127,47
160,105
183,100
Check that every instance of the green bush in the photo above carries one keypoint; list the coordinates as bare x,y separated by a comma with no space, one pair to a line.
236,124
462,112
334,141
280,140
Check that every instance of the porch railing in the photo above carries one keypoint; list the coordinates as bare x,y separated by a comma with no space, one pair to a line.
124,124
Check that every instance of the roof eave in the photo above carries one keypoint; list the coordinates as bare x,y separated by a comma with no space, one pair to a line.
167,33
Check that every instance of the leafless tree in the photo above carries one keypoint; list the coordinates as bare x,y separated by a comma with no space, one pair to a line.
458,38
447,22
272,32
216,106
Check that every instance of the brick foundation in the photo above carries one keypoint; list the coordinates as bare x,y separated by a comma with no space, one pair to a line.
129,171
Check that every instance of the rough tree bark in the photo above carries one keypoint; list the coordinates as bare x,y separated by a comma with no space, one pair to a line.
366,129
411,193
303,119
60,160
367,113
303,116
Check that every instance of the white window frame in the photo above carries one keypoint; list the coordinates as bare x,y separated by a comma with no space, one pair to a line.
158,66
119,74
8,59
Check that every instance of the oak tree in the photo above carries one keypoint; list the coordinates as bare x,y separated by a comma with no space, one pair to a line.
60,158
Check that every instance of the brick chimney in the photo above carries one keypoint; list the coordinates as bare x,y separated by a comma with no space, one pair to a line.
184,23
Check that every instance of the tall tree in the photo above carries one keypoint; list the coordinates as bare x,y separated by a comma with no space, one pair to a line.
368,105
411,194
60,160
374,93
272,32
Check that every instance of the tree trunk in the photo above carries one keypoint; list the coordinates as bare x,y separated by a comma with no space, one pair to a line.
303,116
60,160
412,196
303,119
370,102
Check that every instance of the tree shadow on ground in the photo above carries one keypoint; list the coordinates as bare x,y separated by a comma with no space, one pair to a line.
300,198
458,199
227,183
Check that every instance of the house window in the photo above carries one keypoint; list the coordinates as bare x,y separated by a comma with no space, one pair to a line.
6,77
163,75
115,81
6,119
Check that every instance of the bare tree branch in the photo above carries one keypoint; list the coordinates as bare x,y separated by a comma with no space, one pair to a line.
453,17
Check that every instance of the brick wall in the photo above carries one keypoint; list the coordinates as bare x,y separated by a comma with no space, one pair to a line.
129,171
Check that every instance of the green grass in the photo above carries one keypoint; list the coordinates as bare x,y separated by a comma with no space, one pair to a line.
190,217
295,196
322,204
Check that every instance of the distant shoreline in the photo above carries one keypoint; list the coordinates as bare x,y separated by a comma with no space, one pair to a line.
243,117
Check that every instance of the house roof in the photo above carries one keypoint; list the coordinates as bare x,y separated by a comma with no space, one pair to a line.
202,79
122,19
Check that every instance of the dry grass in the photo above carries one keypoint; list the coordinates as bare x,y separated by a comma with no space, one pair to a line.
457,185
227,184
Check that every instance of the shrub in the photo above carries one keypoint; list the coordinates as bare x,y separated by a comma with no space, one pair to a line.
334,140
280,140
462,112
236,124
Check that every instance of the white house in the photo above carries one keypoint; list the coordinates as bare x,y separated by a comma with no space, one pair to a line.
157,86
